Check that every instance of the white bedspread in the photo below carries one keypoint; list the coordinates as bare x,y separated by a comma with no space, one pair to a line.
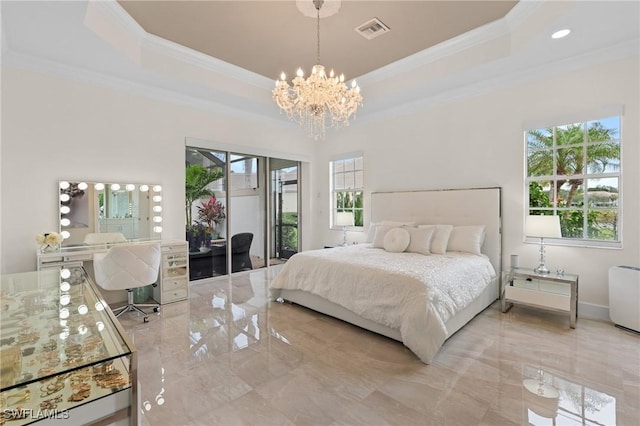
411,292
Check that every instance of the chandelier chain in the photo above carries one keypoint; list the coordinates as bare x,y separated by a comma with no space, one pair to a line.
318,34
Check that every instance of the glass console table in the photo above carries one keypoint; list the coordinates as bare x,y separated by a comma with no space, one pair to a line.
64,355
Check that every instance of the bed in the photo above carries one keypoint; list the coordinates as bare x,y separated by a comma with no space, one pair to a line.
420,300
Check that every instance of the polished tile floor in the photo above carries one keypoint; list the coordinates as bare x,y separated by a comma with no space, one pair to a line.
229,356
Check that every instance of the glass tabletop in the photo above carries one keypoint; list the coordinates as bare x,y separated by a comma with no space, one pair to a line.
54,321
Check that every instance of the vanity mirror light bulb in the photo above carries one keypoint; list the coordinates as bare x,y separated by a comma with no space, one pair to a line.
65,286
64,313
144,188
83,186
157,188
100,305
65,234
115,186
65,222
157,209
65,273
130,187
82,329
157,219
64,198
99,186
65,299
157,198
64,184
83,309
157,229
100,325
65,209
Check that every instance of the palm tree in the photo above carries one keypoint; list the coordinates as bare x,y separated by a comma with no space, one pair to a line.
197,178
569,154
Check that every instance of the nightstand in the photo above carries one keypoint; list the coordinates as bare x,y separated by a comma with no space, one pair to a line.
555,292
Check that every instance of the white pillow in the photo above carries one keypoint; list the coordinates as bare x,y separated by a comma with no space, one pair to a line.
440,237
420,240
380,232
396,240
372,231
467,239
393,224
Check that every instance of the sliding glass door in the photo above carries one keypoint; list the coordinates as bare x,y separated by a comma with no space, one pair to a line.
206,212
284,209
248,206
232,224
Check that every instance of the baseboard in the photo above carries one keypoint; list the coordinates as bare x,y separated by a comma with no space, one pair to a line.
591,311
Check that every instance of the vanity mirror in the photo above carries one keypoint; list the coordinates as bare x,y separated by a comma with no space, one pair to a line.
134,210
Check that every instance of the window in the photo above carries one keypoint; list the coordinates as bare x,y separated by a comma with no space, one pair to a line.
347,187
573,171
244,173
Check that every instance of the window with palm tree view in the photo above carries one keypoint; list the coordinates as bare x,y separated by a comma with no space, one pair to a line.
573,171
348,188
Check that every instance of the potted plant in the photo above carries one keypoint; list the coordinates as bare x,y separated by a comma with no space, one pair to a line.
197,178
210,213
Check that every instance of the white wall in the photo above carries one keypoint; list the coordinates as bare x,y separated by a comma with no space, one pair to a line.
478,142
54,128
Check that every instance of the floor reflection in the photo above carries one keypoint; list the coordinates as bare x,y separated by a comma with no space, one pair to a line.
229,356
550,399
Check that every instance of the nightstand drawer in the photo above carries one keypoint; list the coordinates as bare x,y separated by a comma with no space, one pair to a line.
536,297
543,285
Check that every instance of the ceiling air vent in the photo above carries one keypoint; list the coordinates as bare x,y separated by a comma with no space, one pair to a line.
372,29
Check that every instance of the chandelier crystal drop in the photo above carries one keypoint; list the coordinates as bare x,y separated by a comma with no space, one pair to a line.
321,100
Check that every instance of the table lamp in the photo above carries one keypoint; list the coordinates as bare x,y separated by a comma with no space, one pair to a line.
344,219
542,227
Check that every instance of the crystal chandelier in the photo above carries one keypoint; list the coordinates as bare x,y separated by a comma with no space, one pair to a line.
320,101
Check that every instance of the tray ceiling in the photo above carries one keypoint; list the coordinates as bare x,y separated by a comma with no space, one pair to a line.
268,37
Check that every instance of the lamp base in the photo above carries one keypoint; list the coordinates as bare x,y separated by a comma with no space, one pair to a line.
542,270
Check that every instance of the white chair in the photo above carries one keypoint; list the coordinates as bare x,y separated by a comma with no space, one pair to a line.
125,267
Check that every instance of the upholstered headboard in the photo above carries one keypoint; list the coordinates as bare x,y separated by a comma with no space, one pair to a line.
481,206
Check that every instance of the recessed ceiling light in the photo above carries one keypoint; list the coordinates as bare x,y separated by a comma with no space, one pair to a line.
561,33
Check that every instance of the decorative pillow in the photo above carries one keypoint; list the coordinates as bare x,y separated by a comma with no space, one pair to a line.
420,240
396,240
467,239
390,223
372,231
378,239
440,237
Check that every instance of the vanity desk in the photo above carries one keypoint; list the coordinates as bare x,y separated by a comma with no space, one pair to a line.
173,279
64,354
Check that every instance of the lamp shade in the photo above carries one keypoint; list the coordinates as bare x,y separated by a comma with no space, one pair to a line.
344,219
543,226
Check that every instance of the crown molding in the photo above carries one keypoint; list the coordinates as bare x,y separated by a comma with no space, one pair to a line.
93,78
521,12
461,43
234,91
116,15
620,51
